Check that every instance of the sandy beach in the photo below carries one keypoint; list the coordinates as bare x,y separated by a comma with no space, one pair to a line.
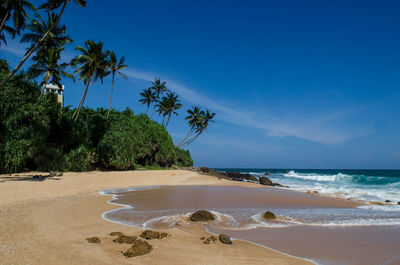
47,222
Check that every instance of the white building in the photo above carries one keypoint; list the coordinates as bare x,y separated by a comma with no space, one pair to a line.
57,90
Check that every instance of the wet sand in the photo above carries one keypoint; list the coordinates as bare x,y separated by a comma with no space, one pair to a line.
322,244
46,221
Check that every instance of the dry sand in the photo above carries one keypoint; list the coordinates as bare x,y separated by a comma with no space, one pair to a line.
47,222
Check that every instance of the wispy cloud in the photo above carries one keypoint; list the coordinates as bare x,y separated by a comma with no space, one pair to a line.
11,48
313,129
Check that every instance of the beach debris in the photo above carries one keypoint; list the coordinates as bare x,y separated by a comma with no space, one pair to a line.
116,234
225,239
123,239
149,234
269,215
265,181
202,238
94,240
202,216
138,248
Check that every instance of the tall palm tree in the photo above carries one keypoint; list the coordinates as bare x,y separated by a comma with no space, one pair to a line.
92,64
18,10
195,117
5,29
115,67
207,117
159,88
168,106
148,97
48,65
49,5
56,39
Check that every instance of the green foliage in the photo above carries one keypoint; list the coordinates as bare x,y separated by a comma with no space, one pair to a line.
36,133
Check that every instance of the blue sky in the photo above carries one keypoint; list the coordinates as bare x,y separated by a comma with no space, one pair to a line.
295,84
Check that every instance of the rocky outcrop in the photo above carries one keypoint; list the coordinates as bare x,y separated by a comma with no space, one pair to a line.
116,234
149,234
208,240
237,176
266,181
267,174
94,240
123,239
202,216
269,215
138,248
225,239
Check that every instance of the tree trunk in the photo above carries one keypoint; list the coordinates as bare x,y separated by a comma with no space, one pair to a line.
112,88
34,47
154,109
184,139
169,117
78,109
4,19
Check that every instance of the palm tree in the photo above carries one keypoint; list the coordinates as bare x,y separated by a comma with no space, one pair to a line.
159,88
148,97
56,40
5,29
17,9
48,65
92,66
168,106
49,5
195,117
205,120
115,67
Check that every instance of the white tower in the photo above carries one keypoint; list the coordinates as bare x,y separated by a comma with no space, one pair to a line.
57,90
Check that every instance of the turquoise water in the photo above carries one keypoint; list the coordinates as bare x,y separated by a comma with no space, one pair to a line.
368,185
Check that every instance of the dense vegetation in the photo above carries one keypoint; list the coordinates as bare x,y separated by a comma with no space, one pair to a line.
36,133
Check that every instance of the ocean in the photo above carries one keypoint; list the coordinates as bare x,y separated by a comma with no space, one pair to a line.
366,185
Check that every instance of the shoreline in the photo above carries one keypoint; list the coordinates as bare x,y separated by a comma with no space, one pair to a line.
56,215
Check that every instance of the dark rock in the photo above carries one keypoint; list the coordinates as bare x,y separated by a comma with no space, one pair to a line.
266,174
388,201
138,248
269,215
116,234
60,174
213,238
149,234
240,176
204,170
286,172
202,238
398,203
175,167
225,239
53,174
123,239
207,241
94,240
266,181
202,216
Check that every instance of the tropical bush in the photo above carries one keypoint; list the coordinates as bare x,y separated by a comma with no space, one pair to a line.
36,133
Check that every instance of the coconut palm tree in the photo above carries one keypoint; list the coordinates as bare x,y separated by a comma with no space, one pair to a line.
159,88
48,65
168,106
115,67
195,117
18,10
56,39
202,126
5,29
148,97
92,65
49,5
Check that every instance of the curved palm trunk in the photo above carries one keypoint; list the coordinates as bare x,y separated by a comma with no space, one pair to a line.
78,109
184,139
154,109
169,117
112,88
34,47
191,140
4,19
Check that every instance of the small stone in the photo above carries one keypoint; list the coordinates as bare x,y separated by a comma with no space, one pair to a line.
138,248
53,174
202,238
207,241
60,174
116,234
125,239
149,234
94,240
213,238
388,201
225,239
398,203
269,215
202,216
178,223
